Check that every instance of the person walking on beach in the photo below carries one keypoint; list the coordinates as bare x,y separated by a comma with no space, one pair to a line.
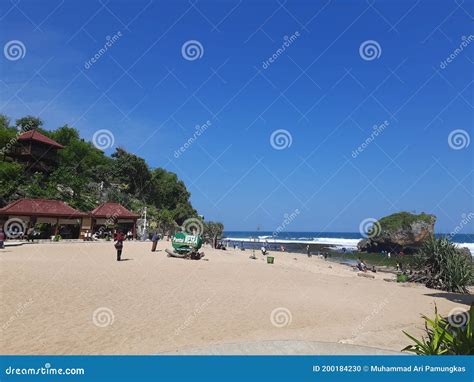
2,239
308,251
119,238
154,240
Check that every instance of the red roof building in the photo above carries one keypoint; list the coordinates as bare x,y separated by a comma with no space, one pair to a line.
64,220
36,151
113,210
34,135
114,213
19,217
41,207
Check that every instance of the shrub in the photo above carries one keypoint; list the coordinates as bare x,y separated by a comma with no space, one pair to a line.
452,336
443,266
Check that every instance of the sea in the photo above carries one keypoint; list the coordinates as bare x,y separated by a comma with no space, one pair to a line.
297,241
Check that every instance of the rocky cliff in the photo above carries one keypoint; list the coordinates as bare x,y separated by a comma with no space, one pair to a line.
402,231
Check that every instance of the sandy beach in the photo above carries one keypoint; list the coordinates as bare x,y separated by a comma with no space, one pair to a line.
74,298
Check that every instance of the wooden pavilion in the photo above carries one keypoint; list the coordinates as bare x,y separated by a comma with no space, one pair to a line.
61,218
36,151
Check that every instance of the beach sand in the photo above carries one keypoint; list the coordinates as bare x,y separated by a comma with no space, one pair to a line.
74,298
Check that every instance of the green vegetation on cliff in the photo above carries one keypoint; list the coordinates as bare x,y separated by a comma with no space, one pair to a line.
402,220
85,176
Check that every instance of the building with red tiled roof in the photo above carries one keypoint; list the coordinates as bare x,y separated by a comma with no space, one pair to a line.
114,213
35,135
27,213
36,151
41,207
66,221
115,210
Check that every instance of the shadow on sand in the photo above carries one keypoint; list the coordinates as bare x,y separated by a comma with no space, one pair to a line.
466,299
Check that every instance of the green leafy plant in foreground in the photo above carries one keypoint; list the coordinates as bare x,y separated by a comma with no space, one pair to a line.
443,266
451,336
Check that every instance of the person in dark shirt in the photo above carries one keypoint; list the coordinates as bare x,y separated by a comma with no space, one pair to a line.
154,240
119,238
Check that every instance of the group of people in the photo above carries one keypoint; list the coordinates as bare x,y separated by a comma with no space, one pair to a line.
361,266
104,234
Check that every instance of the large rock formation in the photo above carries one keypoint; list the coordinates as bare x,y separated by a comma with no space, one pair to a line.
402,231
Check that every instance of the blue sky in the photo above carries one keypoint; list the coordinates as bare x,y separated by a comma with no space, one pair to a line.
323,89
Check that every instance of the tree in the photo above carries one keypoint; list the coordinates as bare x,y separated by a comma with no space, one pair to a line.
212,232
28,123
85,176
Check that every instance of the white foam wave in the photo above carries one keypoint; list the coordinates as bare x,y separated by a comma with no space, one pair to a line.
337,242
468,245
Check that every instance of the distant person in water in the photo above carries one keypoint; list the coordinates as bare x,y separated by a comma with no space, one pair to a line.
119,238
154,240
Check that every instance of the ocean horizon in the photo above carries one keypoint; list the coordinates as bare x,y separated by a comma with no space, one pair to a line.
338,240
